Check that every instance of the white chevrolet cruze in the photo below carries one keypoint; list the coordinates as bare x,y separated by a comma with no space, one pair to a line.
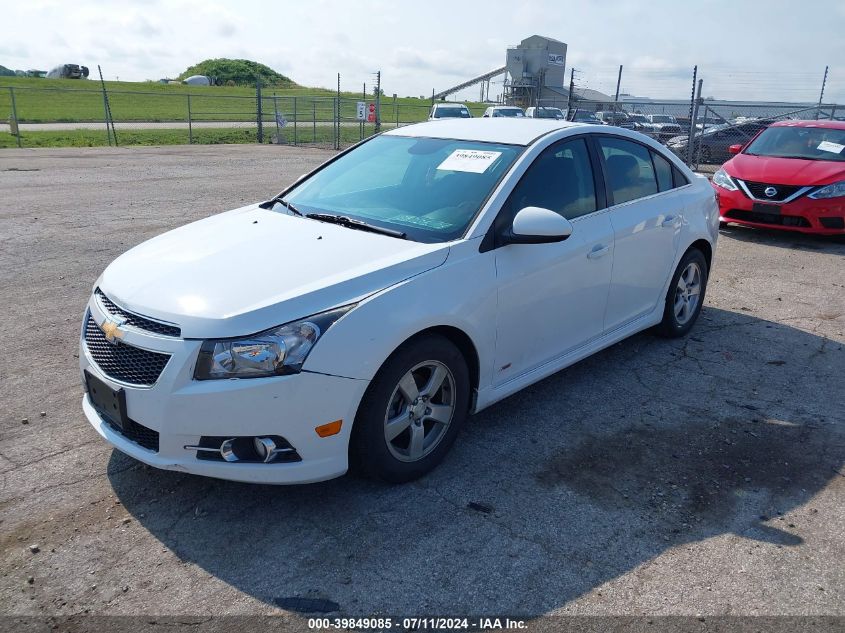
362,314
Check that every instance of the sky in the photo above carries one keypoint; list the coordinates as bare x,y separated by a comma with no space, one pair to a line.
744,49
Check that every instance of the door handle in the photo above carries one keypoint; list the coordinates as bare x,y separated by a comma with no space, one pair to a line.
669,221
598,251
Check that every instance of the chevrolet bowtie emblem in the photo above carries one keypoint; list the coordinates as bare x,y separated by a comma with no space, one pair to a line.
111,328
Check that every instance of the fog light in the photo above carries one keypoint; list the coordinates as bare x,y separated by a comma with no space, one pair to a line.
265,447
227,450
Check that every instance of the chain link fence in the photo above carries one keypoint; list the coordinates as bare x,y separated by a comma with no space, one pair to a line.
700,131
39,117
705,143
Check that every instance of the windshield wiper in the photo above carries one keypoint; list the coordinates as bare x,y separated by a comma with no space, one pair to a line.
355,224
288,205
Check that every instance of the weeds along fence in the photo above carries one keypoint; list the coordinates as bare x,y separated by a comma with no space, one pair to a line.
36,117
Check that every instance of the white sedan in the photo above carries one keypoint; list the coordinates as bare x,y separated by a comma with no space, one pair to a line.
363,313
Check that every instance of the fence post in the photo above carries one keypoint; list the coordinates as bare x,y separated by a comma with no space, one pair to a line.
337,122
190,128
294,121
276,118
106,115
691,108
314,119
14,128
258,114
396,110
693,122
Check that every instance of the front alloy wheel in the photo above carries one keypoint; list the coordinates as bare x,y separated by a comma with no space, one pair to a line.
420,411
412,411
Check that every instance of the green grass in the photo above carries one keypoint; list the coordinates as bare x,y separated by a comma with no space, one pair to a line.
67,100
323,136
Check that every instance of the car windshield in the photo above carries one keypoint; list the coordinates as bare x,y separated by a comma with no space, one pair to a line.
428,188
458,112
638,118
548,113
508,112
662,118
809,143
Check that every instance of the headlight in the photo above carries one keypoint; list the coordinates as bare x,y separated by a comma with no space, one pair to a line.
722,179
836,190
275,352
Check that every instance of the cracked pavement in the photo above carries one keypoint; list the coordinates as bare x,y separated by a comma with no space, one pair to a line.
694,476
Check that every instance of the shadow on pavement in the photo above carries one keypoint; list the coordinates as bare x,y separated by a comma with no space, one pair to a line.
565,486
786,239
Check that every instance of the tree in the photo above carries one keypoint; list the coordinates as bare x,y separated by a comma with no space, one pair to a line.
241,72
6,72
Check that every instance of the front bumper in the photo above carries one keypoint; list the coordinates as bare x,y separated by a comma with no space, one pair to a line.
182,410
804,215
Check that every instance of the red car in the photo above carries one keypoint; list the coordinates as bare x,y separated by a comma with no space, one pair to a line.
790,176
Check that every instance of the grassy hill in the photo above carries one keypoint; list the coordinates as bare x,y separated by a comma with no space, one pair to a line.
238,72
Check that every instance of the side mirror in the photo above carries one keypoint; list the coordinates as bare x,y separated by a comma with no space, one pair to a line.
535,225
735,149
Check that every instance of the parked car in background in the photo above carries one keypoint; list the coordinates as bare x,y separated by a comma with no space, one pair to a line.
619,118
578,115
791,176
639,123
503,111
449,111
439,268
711,146
544,112
665,126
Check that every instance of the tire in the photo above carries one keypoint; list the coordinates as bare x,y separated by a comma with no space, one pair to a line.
706,155
680,311
437,413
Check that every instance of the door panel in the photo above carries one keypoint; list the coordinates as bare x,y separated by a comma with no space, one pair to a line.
552,297
646,228
646,234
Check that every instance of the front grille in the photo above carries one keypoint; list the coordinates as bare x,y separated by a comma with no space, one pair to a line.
758,190
766,218
135,320
138,433
123,362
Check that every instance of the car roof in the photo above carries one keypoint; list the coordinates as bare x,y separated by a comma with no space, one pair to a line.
833,125
499,130
449,105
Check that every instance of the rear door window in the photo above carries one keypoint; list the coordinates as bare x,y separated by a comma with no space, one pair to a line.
630,171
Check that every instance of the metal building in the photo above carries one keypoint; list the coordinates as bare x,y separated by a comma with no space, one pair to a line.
536,63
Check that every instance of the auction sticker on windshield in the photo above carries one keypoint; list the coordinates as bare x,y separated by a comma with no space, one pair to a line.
471,160
827,146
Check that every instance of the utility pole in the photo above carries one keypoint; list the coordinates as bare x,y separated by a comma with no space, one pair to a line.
618,83
571,90
821,94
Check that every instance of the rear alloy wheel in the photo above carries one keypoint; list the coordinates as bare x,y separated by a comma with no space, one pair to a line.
685,296
412,411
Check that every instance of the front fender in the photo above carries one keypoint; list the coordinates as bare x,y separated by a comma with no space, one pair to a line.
461,294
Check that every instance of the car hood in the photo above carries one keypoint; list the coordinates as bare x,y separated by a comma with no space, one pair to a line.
785,171
250,269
